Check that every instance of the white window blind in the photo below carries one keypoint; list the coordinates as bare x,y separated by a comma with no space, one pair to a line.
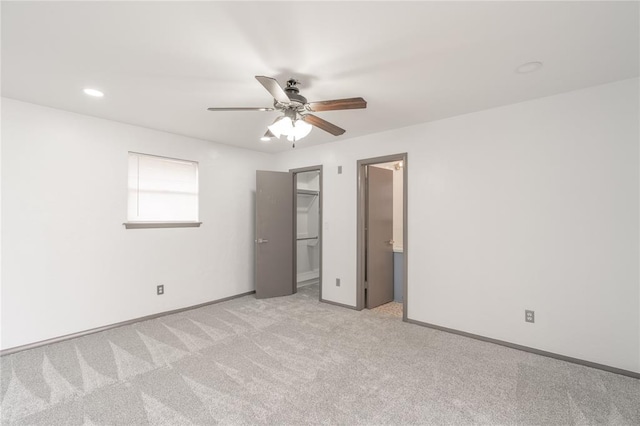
162,189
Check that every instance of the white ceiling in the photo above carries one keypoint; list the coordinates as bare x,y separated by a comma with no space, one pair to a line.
161,64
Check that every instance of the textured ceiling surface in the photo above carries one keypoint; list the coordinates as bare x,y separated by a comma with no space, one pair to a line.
161,64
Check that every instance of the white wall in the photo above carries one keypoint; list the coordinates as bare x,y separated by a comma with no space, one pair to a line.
528,206
68,263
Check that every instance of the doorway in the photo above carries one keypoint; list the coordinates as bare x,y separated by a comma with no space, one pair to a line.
307,223
382,235
288,214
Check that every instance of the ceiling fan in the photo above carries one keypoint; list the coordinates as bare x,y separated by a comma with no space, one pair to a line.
296,121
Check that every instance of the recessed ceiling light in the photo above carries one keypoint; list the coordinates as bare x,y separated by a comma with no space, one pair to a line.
93,92
265,139
529,67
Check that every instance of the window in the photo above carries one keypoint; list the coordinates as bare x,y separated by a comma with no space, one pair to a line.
163,192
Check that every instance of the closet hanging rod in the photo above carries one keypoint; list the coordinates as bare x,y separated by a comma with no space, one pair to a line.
308,192
307,238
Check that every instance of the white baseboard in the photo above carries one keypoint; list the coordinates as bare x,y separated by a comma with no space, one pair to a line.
309,275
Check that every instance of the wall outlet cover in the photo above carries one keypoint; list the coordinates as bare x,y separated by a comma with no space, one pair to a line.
529,316
160,289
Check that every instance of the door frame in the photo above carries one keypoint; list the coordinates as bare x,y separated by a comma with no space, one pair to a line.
295,172
361,211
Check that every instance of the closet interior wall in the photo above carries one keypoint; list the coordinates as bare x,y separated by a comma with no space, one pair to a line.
308,214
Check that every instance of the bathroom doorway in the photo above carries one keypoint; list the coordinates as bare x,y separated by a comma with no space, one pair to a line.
382,235
307,219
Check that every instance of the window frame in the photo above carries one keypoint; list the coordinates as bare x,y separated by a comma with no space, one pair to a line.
165,223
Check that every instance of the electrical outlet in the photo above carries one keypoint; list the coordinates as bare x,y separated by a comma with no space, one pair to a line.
529,316
337,282
160,289
339,170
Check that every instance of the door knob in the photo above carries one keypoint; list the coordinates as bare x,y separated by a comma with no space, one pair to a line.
261,241
390,242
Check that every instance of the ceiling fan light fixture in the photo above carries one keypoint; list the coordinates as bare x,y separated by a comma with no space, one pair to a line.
300,129
274,128
282,126
267,136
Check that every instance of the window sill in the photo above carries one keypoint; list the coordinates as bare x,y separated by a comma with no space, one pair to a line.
145,225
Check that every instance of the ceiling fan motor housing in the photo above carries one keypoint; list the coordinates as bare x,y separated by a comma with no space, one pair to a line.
297,100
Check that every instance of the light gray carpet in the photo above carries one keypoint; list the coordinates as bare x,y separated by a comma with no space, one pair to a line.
295,361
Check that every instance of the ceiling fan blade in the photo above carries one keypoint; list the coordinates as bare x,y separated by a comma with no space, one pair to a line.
337,104
323,124
274,88
241,109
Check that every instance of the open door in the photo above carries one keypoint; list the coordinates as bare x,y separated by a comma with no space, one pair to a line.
379,237
274,234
